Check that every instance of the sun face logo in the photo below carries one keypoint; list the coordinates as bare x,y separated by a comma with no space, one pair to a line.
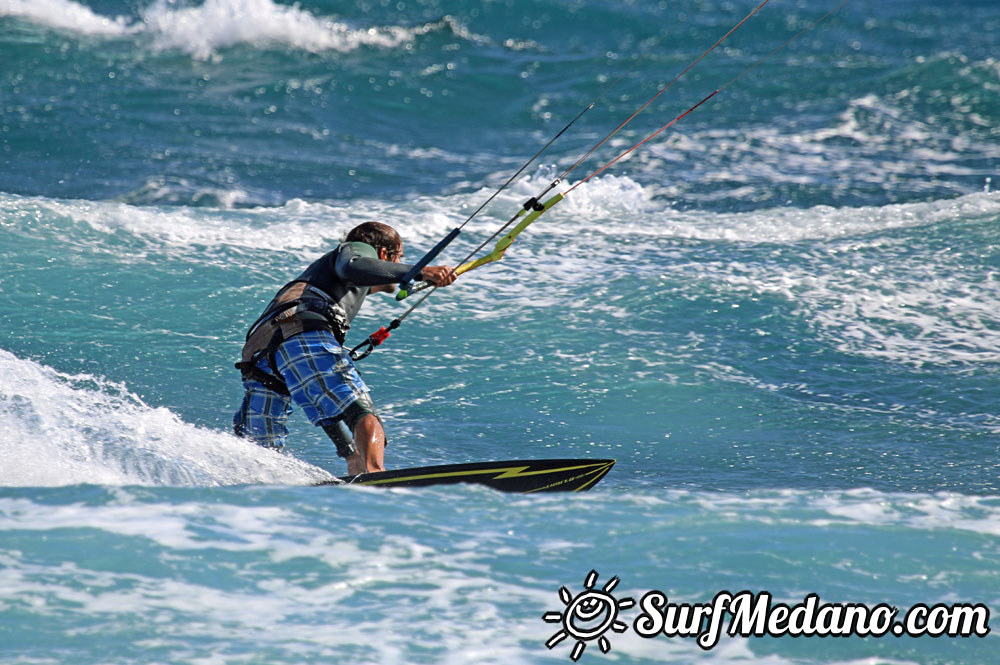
588,616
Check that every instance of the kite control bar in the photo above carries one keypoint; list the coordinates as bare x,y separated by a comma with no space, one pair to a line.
406,283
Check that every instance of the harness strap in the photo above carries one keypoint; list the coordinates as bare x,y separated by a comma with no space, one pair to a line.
280,309
312,310
269,381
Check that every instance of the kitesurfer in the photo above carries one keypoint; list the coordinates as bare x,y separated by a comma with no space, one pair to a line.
294,352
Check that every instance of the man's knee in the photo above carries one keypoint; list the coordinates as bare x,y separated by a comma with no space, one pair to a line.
341,430
357,410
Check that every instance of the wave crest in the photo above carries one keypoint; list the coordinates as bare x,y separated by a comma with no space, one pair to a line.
202,30
62,429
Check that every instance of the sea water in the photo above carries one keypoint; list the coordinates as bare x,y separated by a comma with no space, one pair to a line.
779,317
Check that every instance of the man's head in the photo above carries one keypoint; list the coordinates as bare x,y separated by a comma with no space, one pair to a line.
382,237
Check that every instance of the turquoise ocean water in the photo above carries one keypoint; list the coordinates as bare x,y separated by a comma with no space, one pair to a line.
780,317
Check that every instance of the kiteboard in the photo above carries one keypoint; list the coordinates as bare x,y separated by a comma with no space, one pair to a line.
518,476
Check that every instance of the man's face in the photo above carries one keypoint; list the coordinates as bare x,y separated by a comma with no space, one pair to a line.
395,255
386,255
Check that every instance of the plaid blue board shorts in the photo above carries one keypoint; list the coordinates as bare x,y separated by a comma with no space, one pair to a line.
321,378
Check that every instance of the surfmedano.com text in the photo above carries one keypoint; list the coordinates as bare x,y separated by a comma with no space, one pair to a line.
747,614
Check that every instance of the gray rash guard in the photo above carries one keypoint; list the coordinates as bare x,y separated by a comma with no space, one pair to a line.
346,274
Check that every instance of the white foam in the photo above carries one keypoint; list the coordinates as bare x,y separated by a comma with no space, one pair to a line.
605,207
919,511
61,429
466,607
855,273
460,596
878,143
218,24
183,228
202,30
306,229
617,204
283,564
64,15
859,507
860,275
874,293
164,190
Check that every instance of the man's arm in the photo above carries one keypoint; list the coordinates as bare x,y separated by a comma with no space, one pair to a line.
367,270
371,271
439,275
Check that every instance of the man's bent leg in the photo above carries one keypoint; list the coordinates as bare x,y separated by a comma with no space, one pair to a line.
369,439
359,436
324,382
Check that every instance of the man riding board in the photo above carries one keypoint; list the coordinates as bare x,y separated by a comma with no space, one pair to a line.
294,353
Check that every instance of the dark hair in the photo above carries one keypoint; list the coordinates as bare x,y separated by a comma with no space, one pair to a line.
378,235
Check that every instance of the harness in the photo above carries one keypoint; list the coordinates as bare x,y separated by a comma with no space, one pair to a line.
299,307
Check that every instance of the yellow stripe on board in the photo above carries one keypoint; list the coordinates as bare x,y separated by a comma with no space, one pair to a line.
518,471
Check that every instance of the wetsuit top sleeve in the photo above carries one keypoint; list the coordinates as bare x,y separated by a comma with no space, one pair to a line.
358,263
